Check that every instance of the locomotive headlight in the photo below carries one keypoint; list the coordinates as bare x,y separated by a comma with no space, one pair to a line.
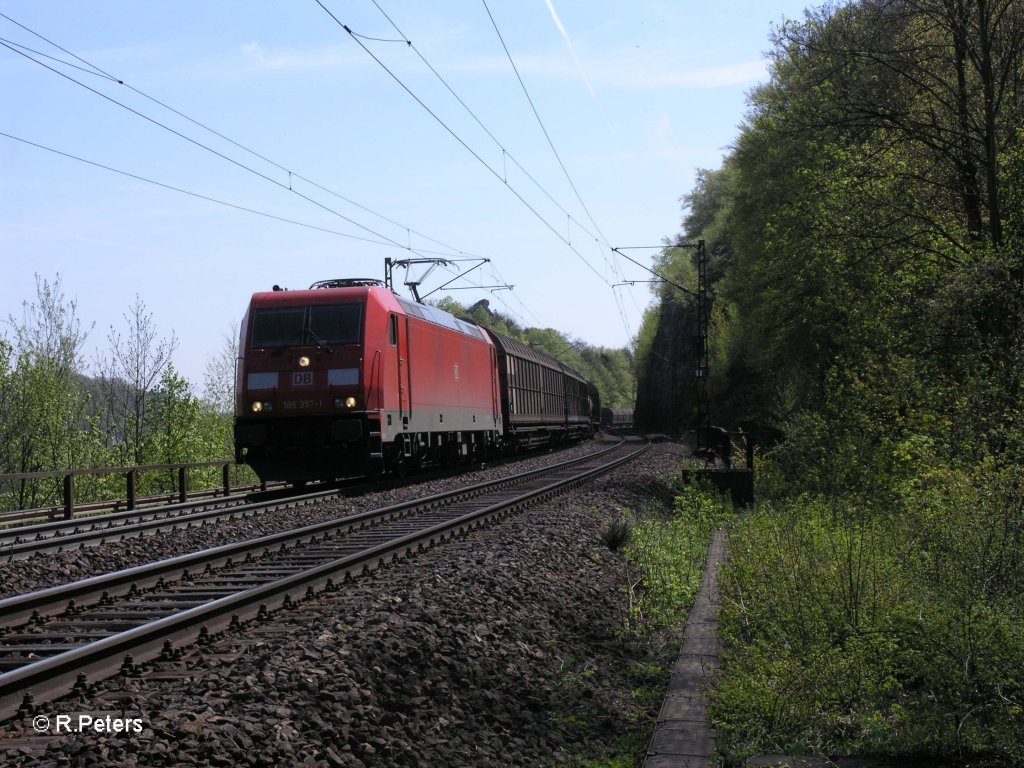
350,402
303,362
257,407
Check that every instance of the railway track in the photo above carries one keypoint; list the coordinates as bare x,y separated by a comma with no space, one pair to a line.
65,638
24,518
26,541
17,543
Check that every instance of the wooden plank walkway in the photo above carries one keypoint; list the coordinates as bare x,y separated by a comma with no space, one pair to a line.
683,737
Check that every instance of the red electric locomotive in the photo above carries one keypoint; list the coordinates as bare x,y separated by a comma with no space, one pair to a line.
347,379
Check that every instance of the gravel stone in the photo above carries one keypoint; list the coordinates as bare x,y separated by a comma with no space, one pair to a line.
501,648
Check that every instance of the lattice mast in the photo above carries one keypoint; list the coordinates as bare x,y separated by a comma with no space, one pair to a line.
701,372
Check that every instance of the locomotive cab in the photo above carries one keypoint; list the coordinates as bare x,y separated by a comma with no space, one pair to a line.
345,379
301,405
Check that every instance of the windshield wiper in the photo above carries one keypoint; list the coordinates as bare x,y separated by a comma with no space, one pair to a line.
319,342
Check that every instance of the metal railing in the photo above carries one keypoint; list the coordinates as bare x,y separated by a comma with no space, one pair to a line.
131,478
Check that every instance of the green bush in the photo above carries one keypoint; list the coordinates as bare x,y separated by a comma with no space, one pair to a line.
855,631
617,533
667,556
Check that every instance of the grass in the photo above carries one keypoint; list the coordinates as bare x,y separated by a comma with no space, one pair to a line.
666,559
664,554
895,632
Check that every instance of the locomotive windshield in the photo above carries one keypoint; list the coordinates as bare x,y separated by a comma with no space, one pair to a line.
278,327
321,324
335,323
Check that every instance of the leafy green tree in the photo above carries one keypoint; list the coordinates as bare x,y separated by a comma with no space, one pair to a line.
185,429
939,78
869,305
44,414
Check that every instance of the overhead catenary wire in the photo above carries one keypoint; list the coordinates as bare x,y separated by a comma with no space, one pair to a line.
614,265
660,276
488,267
89,65
198,195
565,171
504,150
94,70
56,60
207,148
496,274
506,155
462,142
540,122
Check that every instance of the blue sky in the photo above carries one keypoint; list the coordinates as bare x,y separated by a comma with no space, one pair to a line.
634,96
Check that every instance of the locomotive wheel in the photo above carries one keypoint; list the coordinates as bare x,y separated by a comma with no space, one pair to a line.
397,465
415,460
450,454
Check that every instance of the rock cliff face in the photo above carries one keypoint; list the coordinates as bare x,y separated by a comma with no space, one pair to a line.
666,391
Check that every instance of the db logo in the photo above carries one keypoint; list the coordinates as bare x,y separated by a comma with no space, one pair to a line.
302,378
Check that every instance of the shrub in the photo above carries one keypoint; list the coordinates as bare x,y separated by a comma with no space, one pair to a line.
617,533
853,630
668,555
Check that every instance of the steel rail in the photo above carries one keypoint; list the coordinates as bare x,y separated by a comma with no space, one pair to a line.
23,688
56,536
19,543
37,516
21,608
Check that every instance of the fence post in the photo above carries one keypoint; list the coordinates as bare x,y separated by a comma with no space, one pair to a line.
69,495
182,484
227,479
131,479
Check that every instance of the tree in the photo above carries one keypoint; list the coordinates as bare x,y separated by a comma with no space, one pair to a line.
871,308
44,408
219,376
611,370
129,377
940,79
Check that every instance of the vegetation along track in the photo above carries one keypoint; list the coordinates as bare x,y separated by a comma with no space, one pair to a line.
53,642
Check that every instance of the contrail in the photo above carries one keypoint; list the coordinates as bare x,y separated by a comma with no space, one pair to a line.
579,64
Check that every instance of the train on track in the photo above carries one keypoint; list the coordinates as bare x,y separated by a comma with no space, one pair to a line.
616,418
348,379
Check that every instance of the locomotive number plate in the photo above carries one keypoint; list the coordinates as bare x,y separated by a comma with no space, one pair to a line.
302,378
298,405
